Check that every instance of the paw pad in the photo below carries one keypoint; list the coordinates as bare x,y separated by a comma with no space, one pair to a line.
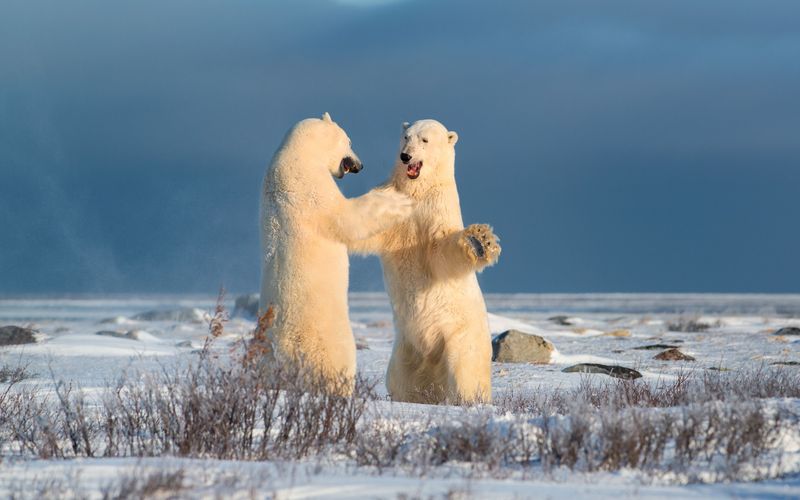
476,246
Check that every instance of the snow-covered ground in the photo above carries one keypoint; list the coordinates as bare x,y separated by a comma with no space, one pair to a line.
595,329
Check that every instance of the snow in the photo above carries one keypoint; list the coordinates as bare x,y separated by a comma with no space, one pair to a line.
740,336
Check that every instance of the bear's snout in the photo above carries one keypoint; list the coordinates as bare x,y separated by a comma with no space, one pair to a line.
405,157
351,165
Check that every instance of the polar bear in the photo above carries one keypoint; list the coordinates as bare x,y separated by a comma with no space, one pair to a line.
306,227
442,350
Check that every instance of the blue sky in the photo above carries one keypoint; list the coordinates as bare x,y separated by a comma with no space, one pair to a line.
614,146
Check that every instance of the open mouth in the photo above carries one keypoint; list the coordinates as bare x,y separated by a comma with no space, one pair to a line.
348,165
412,170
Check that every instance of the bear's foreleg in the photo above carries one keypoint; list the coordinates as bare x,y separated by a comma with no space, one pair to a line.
358,219
465,251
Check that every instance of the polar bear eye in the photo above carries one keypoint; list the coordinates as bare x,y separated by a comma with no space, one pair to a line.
424,140
407,138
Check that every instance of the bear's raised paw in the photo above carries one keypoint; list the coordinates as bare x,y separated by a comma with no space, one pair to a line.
480,244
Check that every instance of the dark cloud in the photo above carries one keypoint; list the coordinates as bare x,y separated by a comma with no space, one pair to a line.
614,146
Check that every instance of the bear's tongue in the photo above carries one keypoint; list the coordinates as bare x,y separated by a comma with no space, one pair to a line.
413,170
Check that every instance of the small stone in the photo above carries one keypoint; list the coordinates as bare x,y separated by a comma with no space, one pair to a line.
610,370
184,343
560,320
788,330
16,335
655,347
673,355
618,333
513,346
361,344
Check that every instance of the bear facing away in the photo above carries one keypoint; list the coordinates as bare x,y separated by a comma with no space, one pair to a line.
442,350
306,226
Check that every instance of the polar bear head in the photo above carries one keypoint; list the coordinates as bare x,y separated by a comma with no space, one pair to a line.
322,148
427,153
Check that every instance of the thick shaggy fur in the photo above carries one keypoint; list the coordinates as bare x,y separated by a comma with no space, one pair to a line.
442,350
306,227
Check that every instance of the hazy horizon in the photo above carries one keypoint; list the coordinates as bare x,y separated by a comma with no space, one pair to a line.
614,147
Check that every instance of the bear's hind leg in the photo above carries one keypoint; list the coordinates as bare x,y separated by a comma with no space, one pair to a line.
469,374
412,379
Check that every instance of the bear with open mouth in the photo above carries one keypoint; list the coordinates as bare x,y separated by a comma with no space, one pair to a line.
442,350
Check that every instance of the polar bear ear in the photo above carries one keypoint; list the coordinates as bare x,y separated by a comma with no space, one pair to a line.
326,117
452,137
406,125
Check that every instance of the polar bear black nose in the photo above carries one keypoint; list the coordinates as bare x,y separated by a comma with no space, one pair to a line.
405,157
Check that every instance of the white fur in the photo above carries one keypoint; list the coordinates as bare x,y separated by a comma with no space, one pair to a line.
442,349
306,225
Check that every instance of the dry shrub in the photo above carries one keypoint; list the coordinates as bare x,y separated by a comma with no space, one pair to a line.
46,426
380,443
686,388
245,407
615,392
655,439
230,407
723,439
11,375
230,412
472,440
692,325
259,347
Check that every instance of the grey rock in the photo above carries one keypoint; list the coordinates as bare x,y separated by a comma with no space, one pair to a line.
788,330
188,315
246,305
130,335
16,335
513,346
610,370
655,347
561,320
